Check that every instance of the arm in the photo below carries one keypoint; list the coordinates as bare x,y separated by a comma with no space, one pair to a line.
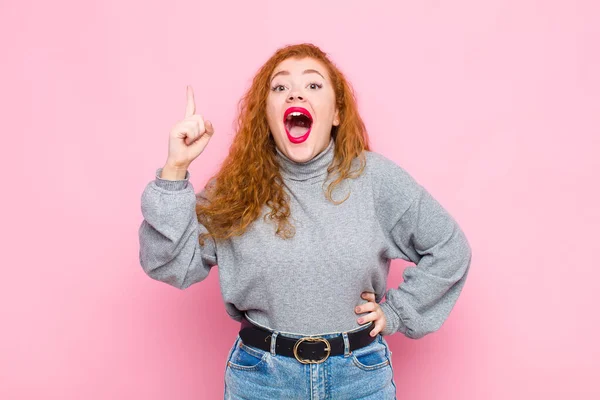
169,249
420,230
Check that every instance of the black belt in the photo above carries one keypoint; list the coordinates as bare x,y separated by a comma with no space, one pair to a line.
315,347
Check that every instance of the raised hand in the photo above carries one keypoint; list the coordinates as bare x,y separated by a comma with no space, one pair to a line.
188,137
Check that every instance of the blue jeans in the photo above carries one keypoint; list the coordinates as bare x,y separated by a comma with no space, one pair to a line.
366,373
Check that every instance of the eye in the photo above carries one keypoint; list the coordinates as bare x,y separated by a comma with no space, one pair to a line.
276,88
315,85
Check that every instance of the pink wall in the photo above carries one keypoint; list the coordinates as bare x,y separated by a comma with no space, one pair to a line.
492,105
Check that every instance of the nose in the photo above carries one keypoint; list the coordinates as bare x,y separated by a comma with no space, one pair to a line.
295,95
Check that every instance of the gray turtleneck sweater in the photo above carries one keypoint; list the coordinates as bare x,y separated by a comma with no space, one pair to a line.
310,284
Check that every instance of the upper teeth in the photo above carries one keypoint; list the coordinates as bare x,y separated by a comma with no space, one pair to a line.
294,114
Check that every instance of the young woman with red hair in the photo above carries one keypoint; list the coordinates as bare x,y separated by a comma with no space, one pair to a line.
303,220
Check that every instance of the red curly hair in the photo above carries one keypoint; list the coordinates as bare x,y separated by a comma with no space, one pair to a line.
249,177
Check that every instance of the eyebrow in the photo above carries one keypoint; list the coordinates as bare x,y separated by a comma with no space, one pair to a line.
306,71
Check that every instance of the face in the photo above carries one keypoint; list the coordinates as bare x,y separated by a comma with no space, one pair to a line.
301,108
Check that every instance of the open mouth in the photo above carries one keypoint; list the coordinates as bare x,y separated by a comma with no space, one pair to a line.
297,122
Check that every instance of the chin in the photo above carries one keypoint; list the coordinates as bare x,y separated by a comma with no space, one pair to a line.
300,155
299,152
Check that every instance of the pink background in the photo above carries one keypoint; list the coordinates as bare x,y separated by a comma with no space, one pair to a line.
492,105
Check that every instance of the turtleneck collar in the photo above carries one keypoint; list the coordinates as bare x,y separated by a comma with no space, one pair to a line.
304,171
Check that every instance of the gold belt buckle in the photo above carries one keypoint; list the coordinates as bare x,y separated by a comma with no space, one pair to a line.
312,339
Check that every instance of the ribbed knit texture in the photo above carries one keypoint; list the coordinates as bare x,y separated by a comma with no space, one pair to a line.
310,284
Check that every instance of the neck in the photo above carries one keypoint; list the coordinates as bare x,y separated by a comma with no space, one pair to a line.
309,170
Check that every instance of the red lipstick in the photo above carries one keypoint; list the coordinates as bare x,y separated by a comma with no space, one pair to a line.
300,110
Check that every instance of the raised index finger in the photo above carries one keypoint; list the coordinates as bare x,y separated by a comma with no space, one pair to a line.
190,109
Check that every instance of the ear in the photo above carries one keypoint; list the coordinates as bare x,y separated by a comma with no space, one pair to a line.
336,117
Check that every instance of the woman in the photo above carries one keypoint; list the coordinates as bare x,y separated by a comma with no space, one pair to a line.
303,221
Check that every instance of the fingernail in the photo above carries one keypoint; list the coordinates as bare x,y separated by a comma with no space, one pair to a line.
360,320
357,309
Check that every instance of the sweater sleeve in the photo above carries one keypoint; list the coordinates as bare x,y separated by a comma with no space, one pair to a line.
168,235
420,230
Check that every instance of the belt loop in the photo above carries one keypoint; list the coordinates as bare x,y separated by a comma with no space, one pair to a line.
346,344
273,341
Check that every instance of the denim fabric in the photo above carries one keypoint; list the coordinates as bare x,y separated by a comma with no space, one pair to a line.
366,373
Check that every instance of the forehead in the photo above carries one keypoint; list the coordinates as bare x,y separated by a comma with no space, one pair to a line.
296,66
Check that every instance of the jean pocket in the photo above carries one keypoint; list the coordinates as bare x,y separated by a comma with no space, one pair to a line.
247,358
371,357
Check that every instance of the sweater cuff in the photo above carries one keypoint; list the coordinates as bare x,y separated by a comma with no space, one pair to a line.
170,184
392,319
